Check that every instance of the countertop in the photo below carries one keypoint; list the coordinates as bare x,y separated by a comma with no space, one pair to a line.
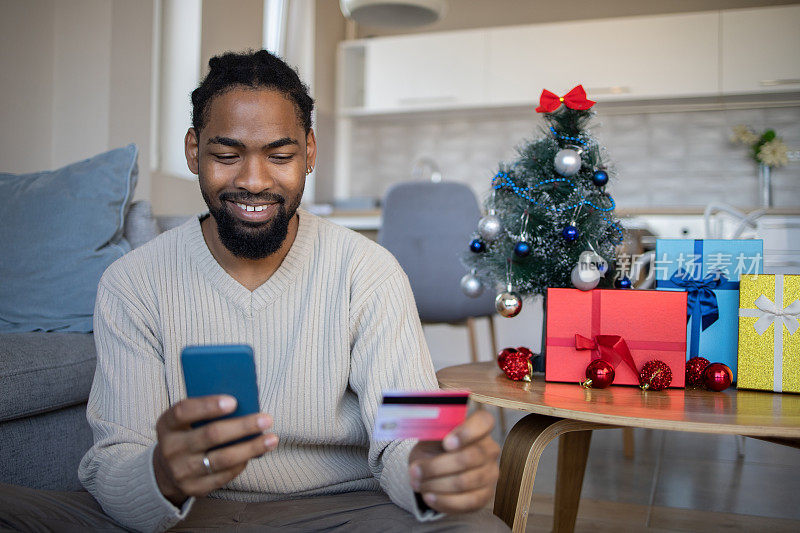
370,219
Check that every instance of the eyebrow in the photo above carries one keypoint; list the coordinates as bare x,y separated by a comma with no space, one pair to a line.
227,141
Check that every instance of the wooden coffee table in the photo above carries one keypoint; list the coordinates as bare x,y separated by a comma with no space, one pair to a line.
569,411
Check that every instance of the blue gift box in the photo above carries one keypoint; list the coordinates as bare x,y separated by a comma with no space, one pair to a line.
709,271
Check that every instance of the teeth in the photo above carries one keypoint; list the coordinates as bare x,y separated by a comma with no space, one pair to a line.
245,207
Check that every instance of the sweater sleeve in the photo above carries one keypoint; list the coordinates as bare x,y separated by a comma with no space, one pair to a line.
388,351
128,395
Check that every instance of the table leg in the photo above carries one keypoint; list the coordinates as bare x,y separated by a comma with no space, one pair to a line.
573,450
520,458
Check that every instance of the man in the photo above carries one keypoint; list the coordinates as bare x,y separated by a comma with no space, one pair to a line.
332,321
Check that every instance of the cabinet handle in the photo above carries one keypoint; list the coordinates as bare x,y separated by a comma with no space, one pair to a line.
787,81
425,100
617,89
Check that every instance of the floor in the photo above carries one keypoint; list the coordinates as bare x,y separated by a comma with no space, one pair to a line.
677,482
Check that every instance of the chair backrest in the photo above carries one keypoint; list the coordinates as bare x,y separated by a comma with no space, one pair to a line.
427,226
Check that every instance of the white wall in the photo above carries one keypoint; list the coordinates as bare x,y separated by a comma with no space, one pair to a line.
75,80
82,84
27,56
131,73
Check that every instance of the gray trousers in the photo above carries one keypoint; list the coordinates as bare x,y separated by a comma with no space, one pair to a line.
30,510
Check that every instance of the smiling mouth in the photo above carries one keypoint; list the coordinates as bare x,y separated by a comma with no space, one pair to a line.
256,213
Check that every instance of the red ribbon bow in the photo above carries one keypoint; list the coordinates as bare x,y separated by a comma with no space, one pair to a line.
575,99
611,348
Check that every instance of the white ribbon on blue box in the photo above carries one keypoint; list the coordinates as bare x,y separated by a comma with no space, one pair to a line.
709,271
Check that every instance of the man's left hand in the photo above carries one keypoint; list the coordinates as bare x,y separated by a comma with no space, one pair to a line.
459,474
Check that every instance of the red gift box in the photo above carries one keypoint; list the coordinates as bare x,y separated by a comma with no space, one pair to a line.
652,323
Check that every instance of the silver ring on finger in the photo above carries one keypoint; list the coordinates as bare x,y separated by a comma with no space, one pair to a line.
207,465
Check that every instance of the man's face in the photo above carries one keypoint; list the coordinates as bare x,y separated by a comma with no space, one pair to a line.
251,159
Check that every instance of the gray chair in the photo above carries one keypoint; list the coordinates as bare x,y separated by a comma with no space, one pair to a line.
427,226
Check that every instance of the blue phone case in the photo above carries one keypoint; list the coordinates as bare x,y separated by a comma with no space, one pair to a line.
222,369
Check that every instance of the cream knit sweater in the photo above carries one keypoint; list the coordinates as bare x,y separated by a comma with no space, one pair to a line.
334,326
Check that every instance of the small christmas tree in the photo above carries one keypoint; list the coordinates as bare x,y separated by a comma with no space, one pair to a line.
550,221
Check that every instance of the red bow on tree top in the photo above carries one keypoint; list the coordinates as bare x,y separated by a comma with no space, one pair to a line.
575,99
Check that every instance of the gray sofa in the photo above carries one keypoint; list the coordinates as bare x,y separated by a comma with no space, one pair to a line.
45,380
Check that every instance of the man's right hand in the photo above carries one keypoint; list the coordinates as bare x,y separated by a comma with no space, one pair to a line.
178,456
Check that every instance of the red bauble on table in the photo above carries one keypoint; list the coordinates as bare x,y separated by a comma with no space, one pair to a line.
505,352
517,366
694,371
599,375
655,375
717,377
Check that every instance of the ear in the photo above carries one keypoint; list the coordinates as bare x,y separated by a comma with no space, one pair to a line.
311,149
190,146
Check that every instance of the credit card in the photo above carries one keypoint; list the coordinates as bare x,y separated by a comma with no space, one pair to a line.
423,415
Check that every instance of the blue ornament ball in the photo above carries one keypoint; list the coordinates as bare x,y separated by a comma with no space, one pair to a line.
600,177
477,246
623,283
570,233
522,249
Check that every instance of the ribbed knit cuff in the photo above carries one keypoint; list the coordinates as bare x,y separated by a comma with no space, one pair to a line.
172,514
155,511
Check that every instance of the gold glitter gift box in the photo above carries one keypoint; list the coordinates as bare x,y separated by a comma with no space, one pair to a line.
769,332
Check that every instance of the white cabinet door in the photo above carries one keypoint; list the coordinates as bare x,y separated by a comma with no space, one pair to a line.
761,50
425,71
615,59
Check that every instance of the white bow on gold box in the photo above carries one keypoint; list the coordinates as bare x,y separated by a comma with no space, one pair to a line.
769,332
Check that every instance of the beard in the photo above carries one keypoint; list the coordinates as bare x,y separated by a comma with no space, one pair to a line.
251,240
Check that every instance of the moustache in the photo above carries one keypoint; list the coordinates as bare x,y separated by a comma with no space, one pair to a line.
244,198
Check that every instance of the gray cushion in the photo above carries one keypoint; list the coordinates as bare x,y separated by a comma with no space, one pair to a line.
140,226
59,231
41,372
427,226
44,451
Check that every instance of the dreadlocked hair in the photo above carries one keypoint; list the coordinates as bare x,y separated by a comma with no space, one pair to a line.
256,70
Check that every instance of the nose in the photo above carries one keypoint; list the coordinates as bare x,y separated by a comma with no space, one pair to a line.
254,175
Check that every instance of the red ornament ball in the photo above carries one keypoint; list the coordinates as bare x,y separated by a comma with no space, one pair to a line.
517,367
694,371
717,377
599,375
505,352
655,375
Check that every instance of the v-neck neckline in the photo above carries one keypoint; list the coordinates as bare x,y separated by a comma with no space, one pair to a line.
266,293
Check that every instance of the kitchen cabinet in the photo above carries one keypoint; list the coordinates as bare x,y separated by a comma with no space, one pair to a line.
663,56
417,72
760,50
742,51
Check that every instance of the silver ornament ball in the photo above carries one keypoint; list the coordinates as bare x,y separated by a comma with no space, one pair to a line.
592,261
567,162
471,286
579,283
490,227
508,304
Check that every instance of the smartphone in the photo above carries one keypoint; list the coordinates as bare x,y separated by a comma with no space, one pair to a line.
222,369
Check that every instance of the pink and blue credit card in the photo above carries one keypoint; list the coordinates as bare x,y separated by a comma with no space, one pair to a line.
423,415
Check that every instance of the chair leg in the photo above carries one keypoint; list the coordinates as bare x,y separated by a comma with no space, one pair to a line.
473,348
473,341
501,414
628,443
